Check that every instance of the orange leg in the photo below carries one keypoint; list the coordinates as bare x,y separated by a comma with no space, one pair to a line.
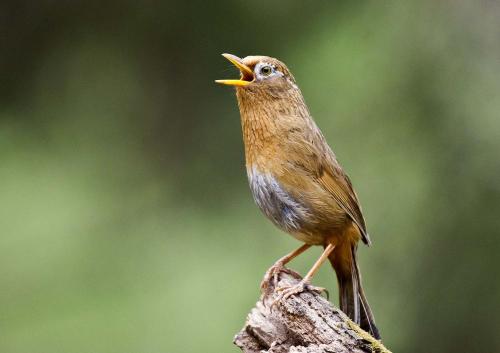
304,284
279,266
289,257
319,262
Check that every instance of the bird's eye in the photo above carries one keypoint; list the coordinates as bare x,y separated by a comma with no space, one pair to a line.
266,70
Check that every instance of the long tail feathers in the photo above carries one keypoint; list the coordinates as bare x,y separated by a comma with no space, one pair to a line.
352,297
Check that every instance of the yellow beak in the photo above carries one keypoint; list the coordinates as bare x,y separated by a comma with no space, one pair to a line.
246,73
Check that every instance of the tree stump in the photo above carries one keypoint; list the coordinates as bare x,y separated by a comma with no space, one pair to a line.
304,323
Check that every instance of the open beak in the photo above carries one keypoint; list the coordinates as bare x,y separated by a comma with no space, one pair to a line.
246,73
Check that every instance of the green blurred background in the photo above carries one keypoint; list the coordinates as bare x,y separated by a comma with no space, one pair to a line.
126,222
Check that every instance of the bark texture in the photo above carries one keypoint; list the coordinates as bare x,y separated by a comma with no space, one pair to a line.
304,323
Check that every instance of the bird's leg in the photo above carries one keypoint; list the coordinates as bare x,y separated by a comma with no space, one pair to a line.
304,284
274,270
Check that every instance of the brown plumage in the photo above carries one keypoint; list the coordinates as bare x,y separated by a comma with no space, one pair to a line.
296,180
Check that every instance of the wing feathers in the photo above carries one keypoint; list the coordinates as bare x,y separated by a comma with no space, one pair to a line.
338,184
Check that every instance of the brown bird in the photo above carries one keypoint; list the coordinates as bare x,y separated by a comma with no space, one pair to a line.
297,182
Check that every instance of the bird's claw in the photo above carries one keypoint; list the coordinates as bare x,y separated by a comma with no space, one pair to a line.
272,276
303,286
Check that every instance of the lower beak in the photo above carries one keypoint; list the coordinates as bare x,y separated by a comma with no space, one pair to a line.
246,73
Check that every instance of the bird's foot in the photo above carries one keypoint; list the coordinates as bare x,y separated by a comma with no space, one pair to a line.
303,286
271,278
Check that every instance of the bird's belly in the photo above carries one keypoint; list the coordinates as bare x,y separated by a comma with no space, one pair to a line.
289,214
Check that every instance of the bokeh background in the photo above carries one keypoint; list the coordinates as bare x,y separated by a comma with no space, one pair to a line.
126,223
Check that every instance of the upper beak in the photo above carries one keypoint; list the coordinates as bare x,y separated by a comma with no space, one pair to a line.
246,73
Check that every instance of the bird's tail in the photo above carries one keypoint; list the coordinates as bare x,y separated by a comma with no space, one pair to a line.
352,297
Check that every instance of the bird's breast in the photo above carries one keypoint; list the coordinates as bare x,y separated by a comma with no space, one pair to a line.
277,204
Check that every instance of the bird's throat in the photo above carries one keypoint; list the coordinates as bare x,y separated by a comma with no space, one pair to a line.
267,117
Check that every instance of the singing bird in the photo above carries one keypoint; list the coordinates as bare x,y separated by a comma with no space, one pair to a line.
297,181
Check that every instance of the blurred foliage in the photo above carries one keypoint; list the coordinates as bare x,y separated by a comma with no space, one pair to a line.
126,222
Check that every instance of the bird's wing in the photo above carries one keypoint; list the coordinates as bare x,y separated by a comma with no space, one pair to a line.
314,156
333,179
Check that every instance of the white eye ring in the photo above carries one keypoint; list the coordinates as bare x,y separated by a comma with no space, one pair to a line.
263,71
266,70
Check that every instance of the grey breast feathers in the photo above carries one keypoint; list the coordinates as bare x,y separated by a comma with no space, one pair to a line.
282,209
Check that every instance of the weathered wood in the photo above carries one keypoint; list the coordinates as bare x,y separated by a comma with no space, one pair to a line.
304,323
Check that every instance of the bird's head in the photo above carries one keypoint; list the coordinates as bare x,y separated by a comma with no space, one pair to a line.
269,101
259,73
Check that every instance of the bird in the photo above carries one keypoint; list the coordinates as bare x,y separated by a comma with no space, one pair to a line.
297,182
